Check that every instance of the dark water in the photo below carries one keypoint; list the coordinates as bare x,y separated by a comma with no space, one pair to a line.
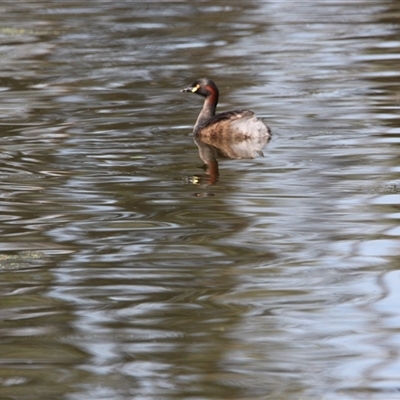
125,276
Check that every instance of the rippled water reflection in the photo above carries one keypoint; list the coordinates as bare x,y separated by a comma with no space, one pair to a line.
121,278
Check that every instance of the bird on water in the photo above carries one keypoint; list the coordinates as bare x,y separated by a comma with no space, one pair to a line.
236,125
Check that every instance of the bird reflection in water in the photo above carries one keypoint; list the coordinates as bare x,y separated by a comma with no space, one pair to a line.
231,134
233,147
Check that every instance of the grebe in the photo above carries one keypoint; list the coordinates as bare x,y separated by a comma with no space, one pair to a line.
237,125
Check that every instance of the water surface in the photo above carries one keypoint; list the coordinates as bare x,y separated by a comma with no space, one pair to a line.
124,275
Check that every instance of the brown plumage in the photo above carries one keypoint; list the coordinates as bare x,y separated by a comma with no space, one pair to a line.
234,134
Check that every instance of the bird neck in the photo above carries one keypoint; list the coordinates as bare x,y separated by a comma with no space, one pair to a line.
208,110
